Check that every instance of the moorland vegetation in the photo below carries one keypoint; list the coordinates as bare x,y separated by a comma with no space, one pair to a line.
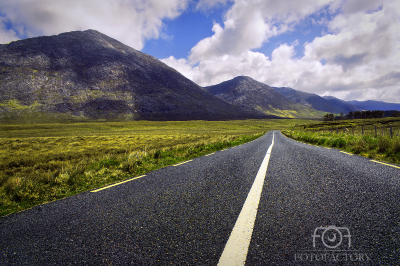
377,138
44,162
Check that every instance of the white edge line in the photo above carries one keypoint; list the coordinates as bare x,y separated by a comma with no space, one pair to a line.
235,251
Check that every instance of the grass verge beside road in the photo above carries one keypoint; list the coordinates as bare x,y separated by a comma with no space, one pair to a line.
43,162
357,137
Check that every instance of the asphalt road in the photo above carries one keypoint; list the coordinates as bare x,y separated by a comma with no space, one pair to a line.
318,206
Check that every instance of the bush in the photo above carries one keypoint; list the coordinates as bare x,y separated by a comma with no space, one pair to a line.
339,142
321,141
157,154
370,142
359,147
396,145
383,144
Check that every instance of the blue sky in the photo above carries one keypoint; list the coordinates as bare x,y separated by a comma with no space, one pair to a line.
184,32
347,49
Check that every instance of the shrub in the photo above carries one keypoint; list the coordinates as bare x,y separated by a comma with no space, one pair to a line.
321,141
383,144
157,154
339,142
396,145
360,146
370,142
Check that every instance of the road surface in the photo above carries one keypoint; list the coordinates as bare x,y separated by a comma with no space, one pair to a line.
313,206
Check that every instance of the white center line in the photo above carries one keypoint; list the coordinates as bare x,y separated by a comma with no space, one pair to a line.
236,248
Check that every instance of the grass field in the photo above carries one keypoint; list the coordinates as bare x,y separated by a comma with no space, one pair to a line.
44,162
367,137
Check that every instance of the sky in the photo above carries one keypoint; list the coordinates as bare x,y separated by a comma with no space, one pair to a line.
342,48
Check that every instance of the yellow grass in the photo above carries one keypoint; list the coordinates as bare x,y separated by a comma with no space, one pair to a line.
45,162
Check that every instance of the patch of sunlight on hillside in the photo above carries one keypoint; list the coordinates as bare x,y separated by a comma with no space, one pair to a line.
277,112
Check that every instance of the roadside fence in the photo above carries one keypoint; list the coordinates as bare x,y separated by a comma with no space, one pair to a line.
367,130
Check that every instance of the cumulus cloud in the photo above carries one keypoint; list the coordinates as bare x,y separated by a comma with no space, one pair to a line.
249,24
131,22
361,51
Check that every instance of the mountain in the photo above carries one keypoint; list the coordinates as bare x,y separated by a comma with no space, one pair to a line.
247,92
376,105
317,102
88,74
346,106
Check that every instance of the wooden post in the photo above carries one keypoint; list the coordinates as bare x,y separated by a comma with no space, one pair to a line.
375,132
391,133
337,130
382,130
362,130
352,129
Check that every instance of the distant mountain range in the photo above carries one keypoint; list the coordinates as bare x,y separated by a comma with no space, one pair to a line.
247,92
325,104
376,105
88,74
332,104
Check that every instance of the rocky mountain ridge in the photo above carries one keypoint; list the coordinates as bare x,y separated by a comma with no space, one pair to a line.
88,74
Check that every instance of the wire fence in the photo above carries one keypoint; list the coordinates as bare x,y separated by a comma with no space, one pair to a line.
363,130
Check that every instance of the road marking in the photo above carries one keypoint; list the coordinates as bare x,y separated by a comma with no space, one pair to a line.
116,184
385,164
235,251
346,152
182,163
210,154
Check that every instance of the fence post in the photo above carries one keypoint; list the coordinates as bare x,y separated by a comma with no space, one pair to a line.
362,130
382,130
337,130
375,132
352,129
391,133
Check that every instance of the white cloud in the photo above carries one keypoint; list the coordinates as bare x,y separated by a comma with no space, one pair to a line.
6,35
362,50
249,24
131,22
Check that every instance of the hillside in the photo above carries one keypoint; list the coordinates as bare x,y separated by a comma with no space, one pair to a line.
345,106
325,104
247,92
88,74
376,105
